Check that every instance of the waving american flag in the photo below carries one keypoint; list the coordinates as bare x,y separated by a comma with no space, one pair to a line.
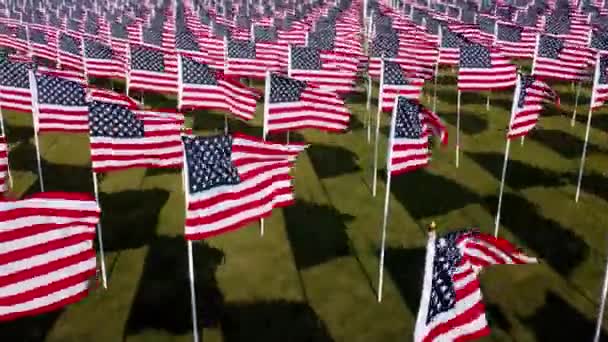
451,305
15,93
244,60
484,68
70,51
148,71
101,61
327,69
61,105
529,104
394,82
600,88
559,59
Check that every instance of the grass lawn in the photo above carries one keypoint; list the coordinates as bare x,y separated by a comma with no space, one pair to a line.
313,275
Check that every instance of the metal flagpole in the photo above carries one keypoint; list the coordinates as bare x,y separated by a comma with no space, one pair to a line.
375,175
190,256
8,167
578,92
600,315
596,77
104,275
265,126
458,130
435,84
507,150
35,115
488,101
368,120
386,200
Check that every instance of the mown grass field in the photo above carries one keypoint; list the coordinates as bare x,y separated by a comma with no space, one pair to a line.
313,275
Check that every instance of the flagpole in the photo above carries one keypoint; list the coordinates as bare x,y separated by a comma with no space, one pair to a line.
578,92
104,275
190,255
8,166
458,129
368,119
265,126
387,194
596,77
375,176
507,150
436,78
600,315
35,115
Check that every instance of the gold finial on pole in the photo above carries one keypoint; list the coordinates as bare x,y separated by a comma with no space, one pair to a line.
432,226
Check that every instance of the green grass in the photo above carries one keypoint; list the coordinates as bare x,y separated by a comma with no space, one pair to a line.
313,275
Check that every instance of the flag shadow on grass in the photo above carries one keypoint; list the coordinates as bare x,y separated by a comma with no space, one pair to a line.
424,194
29,329
129,218
557,320
470,123
592,183
213,121
566,145
519,175
317,233
406,269
562,249
162,300
277,320
598,121
332,161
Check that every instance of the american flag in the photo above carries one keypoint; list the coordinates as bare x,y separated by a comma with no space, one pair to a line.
61,105
516,41
243,60
484,68
3,161
148,71
599,41
47,259
574,31
451,306
43,43
532,93
561,60
101,61
123,138
409,145
109,96
70,52
415,55
269,47
449,48
15,93
600,88
327,69
487,28
14,36
202,87
233,180
294,104
395,82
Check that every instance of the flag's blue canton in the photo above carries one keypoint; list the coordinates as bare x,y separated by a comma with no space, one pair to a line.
90,26
37,36
486,24
508,33
152,36
393,74
243,21
550,47
283,23
441,8
113,121
432,26
450,39
323,40
14,74
603,69
283,89
453,11
599,40
418,15
59,91
385,45
407,122
475,56
96,50
197,73
5,30
54,20
119,30
505,12
526,83
557,24
70,44
209,162
468,16
447,257
147,59
241,49
74,25
305,58
220,30
383,23
264,34
21,32
185,40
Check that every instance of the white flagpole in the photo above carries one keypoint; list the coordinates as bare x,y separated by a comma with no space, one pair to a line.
600,315
368,119
180,82
578,93
375,176
8,167
35,115
436,73
535,54
265,125
104,275
458,130
387,194
596,78
190,256
507,149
